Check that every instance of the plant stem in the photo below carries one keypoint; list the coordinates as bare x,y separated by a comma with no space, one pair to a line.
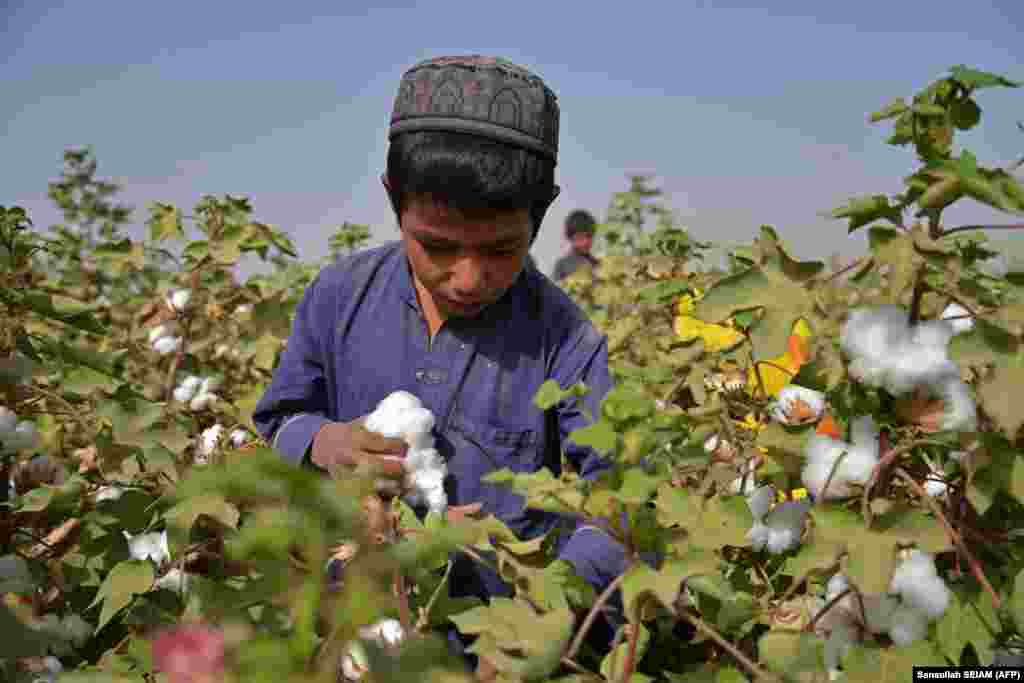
634,637
886,460
971,228
831,473
592,615
958,541
829,605
753,669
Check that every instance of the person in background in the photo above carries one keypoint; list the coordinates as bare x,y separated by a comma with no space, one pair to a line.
579,230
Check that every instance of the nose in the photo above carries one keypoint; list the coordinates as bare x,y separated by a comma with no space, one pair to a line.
469,280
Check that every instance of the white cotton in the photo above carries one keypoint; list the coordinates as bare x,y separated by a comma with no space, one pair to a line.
152,546
960,324
203,401
112,492
781,409
907,626
871,332
778,529
179,299
836,585
208,440
961,413
760,502
746,484
174,580
838,645
159,331
166,345
8,420
238,437
822,452
386,632
919,585
935,485
402,415
186,391
244,309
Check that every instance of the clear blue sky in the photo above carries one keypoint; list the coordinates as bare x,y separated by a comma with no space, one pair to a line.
745,115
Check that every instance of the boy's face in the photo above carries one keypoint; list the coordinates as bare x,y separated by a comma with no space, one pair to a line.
464,262
582,242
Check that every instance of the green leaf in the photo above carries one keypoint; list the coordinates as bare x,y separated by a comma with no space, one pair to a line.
966,114
889,111
551,394
1017,601
791,652
972,78
777,283
19,640
601,436
873,664
164,223
121,257
717,521
126,580
969,619
614,662
865,210
184,514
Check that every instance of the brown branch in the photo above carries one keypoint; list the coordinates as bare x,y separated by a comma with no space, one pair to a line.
828,606
753,669
592,615
971,228
831,474
886,460
972,561
844,270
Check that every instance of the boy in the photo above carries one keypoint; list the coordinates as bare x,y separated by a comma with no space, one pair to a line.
455,314
579,230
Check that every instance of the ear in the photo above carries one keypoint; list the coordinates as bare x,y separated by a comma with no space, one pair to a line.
391,198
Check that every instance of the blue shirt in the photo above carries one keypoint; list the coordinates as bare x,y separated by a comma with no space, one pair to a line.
359,334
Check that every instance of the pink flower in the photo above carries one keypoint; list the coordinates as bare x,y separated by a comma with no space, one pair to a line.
190,654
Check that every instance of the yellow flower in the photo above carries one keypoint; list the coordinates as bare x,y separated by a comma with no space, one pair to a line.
795,494
750,423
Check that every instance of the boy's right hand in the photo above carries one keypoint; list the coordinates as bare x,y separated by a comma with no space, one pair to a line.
340,446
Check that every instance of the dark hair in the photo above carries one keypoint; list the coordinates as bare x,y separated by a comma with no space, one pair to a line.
579,220
469,173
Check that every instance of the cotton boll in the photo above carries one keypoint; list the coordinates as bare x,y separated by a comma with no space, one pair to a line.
811,405
908,626
760,502
836,585
151,546
959,325
786,522
238,438
822,452
179,299
108,493
864,433
934,334
162,330
166,345
208,440
878,612
919,586
174,580
386,633
961,413
871,332
759,535
395,404
183,394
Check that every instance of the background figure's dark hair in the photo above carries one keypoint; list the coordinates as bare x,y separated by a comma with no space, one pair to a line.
469,173
579,220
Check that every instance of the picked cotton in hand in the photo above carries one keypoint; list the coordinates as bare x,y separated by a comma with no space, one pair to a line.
401,415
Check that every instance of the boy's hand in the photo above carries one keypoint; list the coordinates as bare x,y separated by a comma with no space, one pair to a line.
346,445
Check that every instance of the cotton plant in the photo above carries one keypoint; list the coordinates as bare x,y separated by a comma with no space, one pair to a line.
162,338
401,415
777,529
16,435
858,460
887,352
386,633
179,299
153,546
797,405
197,391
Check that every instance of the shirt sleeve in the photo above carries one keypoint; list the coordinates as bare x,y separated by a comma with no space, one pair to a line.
295,407
585,360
